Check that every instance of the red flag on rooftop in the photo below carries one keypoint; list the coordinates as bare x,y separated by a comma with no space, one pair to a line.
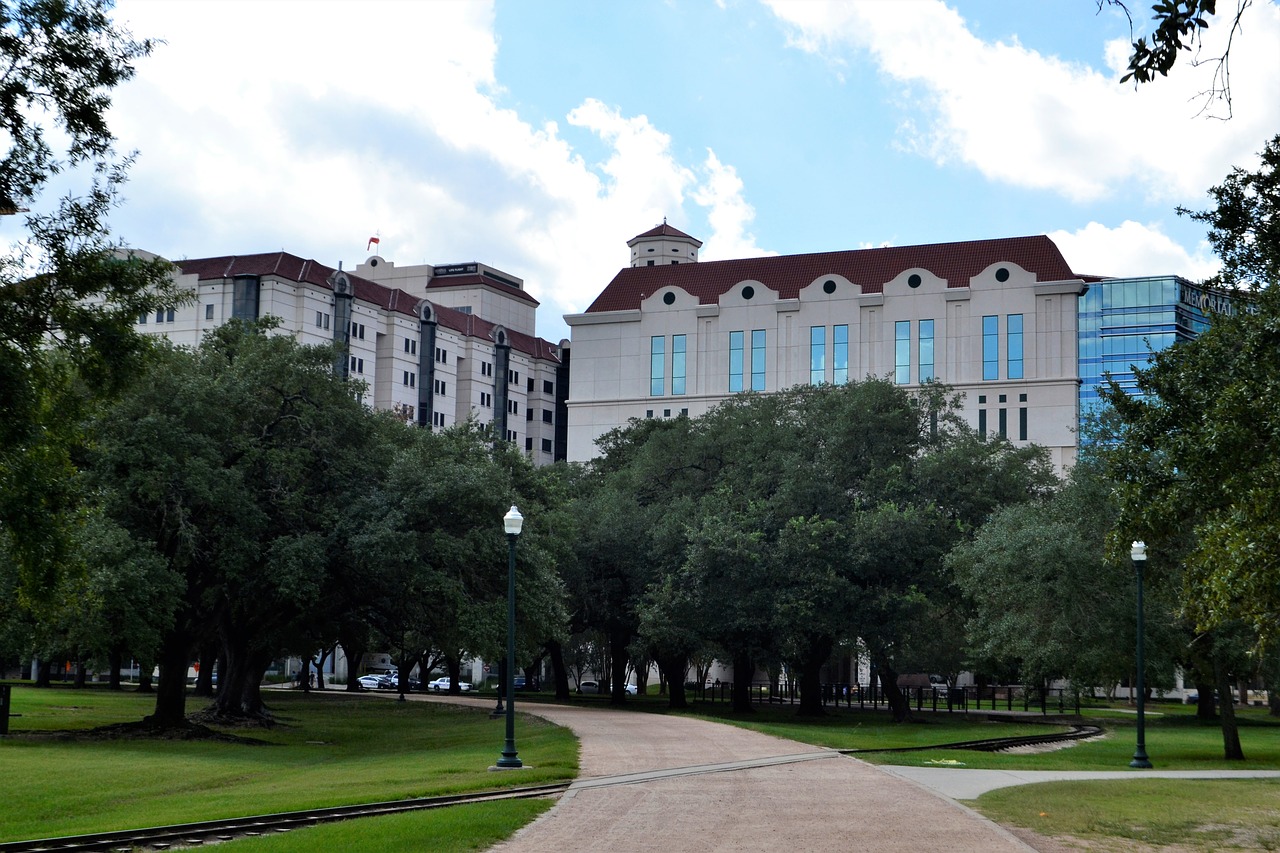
373,241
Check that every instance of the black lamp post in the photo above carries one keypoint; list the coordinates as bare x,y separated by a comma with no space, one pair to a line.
512,522
1138,553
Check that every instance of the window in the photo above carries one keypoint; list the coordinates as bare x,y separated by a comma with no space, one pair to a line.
529,387
512,436
513,377
1004,422
208,311
437,419
982,423
142,319
840,356
925,346
160,316
757,360
411,346
1022,423
528,414
513,407
486,368
438,386
410,378
546,445
319,319
548,388
657,365
818,354
902,352
486,399
1014,355
528,444
546,416
735,362
677,364
442,356
357,365
168,315
244,297
357,330
990,347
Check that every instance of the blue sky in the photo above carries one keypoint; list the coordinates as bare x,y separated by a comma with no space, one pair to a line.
540,136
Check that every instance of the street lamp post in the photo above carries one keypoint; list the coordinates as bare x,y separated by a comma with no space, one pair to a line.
1138,553
512,522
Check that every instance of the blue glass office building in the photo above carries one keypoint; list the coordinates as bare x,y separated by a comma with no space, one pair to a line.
1123,321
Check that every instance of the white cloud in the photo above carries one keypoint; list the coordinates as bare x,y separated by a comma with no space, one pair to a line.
312,132
729,213
1132,249
1032,120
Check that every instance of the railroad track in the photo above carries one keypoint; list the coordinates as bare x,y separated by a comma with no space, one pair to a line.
995,744
195,834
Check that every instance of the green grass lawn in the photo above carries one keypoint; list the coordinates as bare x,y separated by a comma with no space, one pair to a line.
1207,815
327,749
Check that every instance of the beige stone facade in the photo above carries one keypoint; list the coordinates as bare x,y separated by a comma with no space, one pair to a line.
994,319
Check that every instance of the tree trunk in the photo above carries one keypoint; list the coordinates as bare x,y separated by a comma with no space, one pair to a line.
204,676
115,660
324,656
171,693
82,674
676,696
619,638
893,695
740,696
819,649
559,674
453,665
355,654
1205,707
240,687
1230,732
44,674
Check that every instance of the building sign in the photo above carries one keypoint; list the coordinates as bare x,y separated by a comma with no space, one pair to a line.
455,269
1208,301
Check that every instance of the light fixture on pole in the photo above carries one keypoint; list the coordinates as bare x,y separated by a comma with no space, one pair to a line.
1138,554
512,523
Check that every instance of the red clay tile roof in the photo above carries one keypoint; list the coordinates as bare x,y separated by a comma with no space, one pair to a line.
664,230
956,263
294,268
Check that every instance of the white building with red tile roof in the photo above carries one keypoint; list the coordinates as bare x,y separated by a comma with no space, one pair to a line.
433,343
995,319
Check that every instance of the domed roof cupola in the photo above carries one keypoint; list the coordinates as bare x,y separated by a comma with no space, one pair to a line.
663,245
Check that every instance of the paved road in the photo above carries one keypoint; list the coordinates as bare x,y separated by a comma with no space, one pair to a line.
658,783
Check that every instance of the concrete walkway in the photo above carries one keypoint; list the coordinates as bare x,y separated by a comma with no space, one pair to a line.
962,784
658,783
650,782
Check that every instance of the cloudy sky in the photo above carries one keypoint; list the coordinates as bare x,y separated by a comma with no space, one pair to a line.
540,136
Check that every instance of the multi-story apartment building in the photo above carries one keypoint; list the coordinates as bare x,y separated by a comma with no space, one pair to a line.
995,319
434,344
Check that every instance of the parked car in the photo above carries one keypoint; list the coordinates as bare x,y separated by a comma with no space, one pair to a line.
588,687
632,690
441,685
372,681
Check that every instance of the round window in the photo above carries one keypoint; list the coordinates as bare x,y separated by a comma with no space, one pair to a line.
668,298
748,292
1002,274
828,286
914,280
